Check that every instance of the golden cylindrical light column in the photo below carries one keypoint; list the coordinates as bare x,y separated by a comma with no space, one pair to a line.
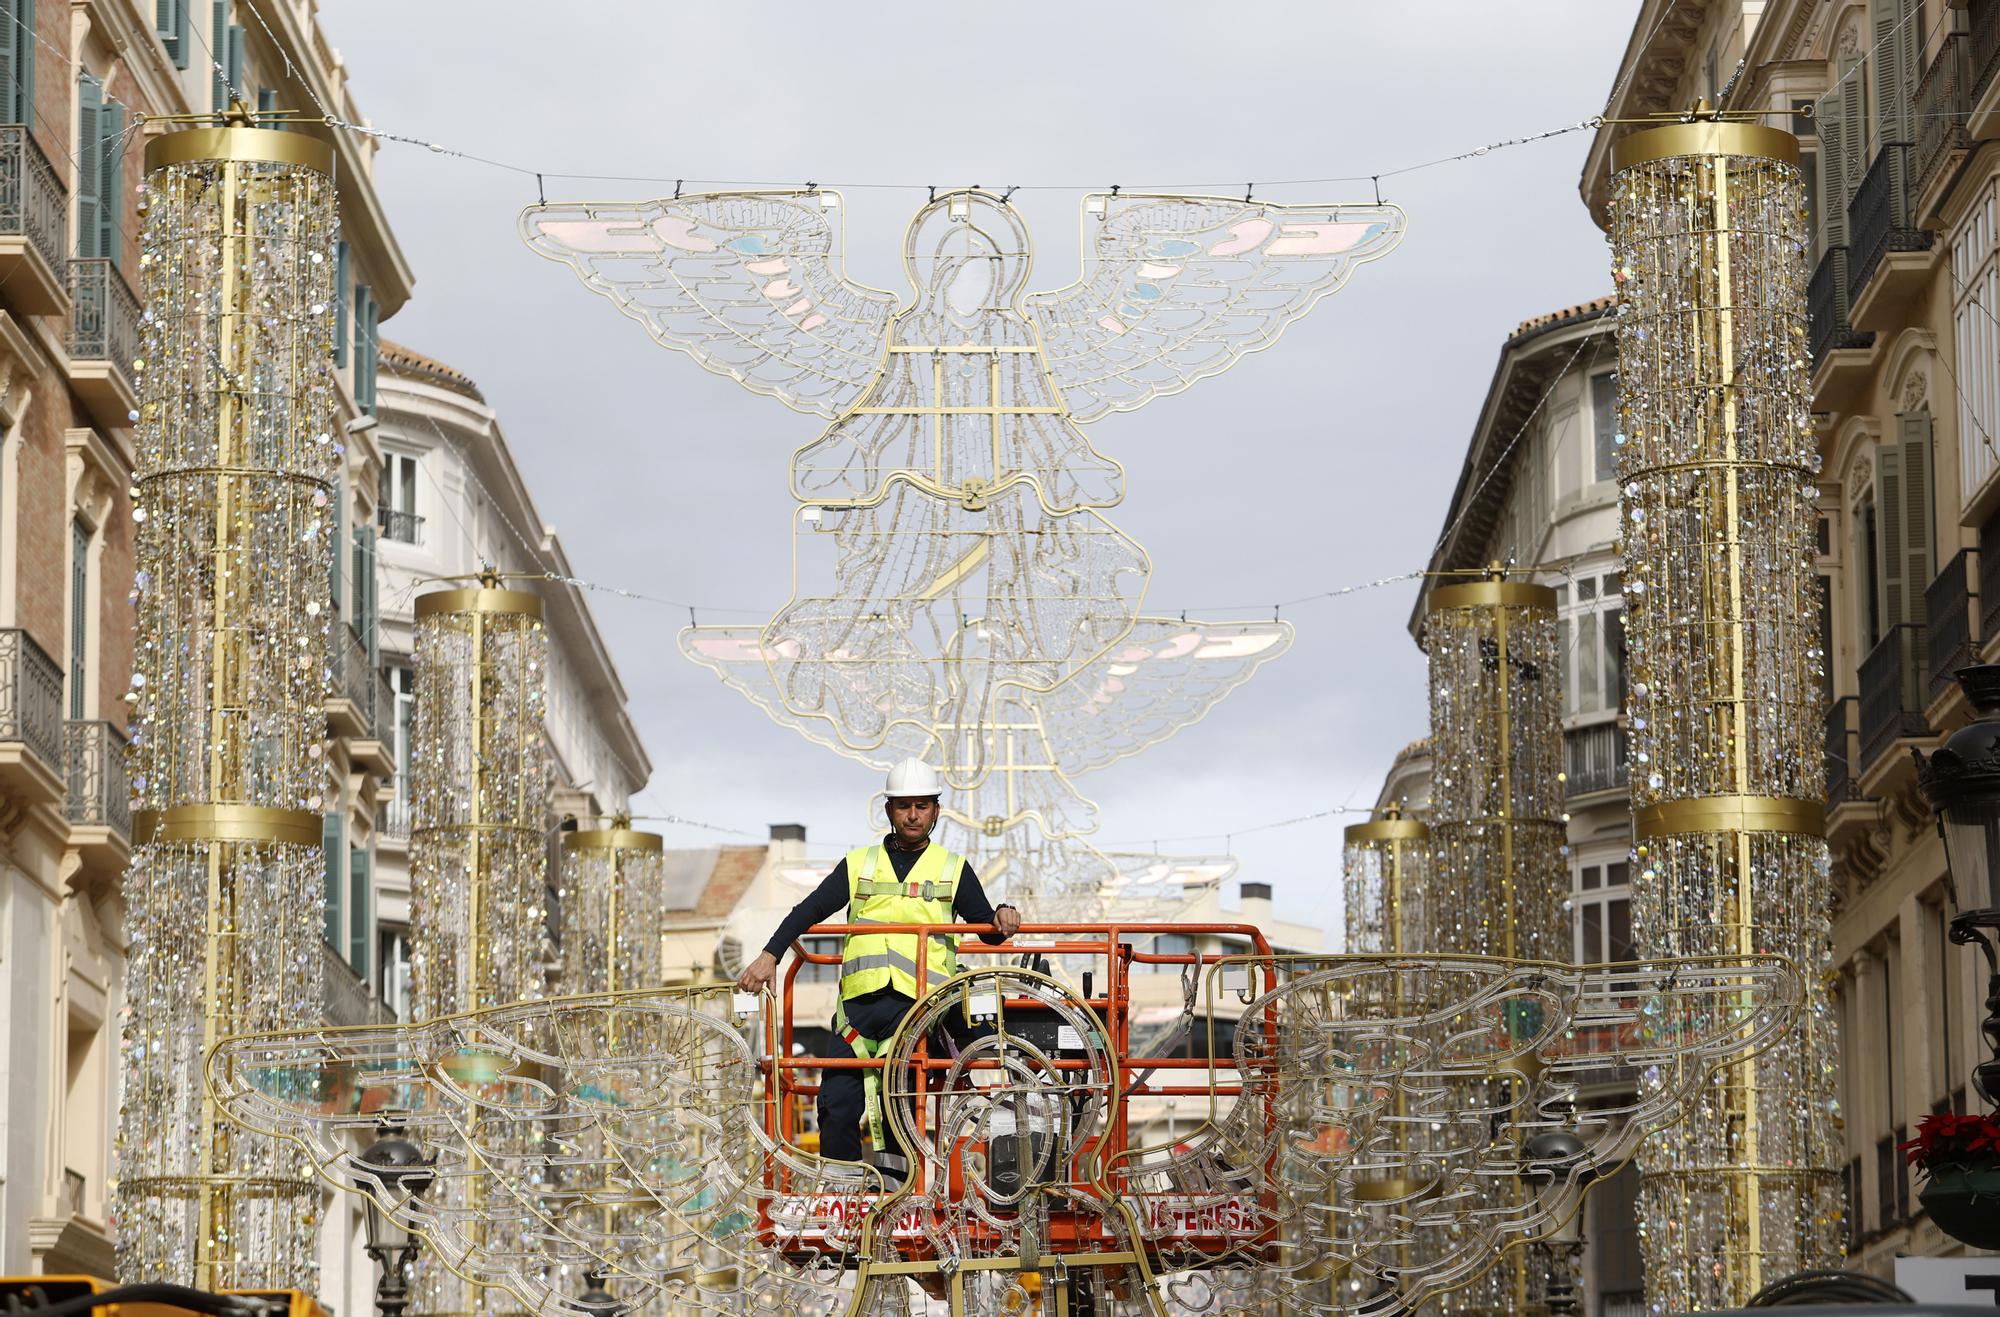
1499,873
1497,826
1386,864
480,776
236,475
613,909
1716,456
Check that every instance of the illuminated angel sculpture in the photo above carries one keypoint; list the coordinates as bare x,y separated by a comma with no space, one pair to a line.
968,547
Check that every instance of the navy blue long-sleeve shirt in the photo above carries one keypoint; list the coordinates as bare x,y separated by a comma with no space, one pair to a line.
968,901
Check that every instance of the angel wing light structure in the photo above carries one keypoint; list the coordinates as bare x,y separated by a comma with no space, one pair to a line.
1351,1149
957,585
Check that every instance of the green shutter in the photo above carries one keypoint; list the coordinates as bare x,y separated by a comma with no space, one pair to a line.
365,619
1891,57
24,62
360,900
218,47
233,59
1843,136
111,161
333,840
333,567
170,20
89,170
340,296
10,71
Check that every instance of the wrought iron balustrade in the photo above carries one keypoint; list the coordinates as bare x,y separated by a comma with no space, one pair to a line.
1947,616
30,697
1827,329
1944,96
33,201
100,783
1880,219
345,995
402,527
1842,747
355,675
1894,677
103,316
395,819
1594,759
1985,38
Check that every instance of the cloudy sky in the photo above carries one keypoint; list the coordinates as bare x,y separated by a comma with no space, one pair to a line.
1321,463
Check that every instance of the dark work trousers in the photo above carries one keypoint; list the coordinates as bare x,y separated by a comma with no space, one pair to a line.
873,1015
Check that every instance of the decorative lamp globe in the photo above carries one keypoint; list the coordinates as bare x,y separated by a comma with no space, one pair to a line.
394,1170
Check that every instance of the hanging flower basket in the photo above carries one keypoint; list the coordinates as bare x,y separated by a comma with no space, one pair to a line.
1960,1159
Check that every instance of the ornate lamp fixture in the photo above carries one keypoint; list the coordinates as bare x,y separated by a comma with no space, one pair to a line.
1717,459
1387,864
236,475
395,1171
613,895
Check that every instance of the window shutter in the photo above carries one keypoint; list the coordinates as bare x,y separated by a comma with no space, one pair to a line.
89,172
10,73
1892,585
218,48
170,20
111,158
360,891
1913,436
333,841
333,567
234,62
23,105
361,348
364,591
340,296
1891,59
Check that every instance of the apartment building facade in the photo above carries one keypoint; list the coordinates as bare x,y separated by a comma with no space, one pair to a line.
1897,106
451,502
76,81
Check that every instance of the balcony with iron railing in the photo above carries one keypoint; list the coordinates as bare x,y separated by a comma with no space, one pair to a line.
103,340
1984,62
1943,100
1594,759
1948,607
1827,327
32,754
345,993
1843,749
351,711
393,824
1894,678
34,226
1882,235
400,527
99,781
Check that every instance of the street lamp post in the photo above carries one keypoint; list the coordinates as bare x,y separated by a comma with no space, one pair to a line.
1961,780
1555,1159
395,1171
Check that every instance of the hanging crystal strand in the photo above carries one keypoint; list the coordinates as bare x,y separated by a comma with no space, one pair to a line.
480,775
1717,458
1497,823
236,470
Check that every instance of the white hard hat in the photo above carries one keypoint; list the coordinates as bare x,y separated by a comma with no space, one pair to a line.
912,777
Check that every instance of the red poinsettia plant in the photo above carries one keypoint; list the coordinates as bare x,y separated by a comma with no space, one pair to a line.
1946,1139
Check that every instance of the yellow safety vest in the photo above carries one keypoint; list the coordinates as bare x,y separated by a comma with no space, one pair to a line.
875,895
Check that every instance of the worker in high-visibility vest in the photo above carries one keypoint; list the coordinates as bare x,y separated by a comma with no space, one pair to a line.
903,879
